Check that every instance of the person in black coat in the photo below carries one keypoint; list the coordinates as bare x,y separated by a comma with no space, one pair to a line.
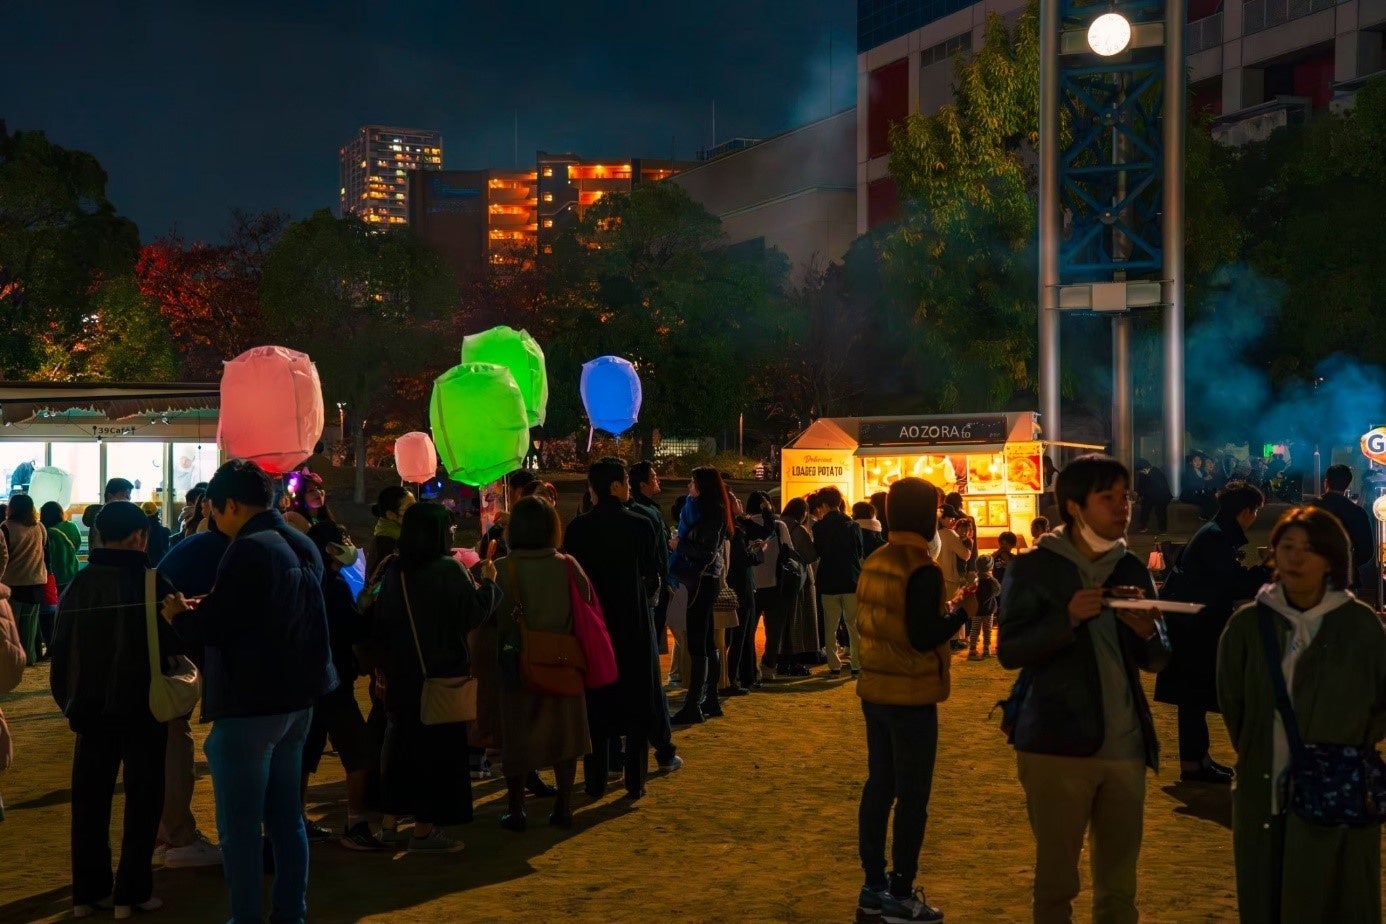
1152,487
1209,571
1355,520
615,547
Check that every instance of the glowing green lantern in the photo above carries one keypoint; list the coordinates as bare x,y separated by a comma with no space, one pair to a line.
477,413
517,351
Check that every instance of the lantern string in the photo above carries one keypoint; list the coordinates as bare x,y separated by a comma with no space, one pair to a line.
590,430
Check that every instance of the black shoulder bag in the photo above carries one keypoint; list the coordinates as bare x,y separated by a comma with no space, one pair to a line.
1332,785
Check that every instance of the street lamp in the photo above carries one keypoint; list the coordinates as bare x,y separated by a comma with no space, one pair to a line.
1109,34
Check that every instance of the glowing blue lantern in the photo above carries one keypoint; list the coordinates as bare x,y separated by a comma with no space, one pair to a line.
611,394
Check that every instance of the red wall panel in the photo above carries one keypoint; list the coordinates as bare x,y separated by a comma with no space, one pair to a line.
888,103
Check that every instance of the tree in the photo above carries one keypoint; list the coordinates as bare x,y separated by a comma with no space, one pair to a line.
646,276
360,301
59,237
209,294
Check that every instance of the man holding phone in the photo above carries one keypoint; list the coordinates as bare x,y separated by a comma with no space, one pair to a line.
1082,731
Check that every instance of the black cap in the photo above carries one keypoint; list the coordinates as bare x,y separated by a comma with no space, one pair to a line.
949,511
119,519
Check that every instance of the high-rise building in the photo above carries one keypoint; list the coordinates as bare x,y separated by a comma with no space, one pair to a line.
374,169
568,185
1255,65
475,218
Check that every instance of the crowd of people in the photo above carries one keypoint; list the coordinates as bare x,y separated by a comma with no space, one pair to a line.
252,589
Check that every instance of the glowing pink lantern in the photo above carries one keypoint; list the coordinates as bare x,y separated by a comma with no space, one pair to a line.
416,459
271,408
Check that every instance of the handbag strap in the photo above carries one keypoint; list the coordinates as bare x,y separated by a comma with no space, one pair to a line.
413,630
1271,646
151,616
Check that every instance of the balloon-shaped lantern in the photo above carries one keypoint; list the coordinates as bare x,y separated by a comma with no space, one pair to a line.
479,422
415,458
611,393
51,483
516,351
271,408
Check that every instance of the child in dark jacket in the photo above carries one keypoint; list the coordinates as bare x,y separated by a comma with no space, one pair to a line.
981,606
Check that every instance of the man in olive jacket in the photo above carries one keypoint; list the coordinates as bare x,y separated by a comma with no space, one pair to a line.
1083,732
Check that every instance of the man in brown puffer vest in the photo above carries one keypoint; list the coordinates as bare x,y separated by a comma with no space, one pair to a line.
904,675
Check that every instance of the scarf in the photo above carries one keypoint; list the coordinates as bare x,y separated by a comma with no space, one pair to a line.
1304,626
872,525
387,528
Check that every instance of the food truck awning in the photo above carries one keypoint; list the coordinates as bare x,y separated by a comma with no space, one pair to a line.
23,401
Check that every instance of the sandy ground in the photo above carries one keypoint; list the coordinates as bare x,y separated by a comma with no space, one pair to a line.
760,825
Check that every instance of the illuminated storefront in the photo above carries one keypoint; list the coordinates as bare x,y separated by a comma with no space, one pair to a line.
992,460
160,437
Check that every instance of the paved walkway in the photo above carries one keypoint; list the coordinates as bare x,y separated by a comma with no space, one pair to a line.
759,826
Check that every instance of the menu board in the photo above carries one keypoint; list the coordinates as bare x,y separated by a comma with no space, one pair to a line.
1024,474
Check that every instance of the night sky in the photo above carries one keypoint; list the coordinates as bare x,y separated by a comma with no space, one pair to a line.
200,106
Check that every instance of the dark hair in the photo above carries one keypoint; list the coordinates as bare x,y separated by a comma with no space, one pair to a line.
89,514
1338,477
520,479
1039,523
954,499
878,500
912,504
831,497
1084,476
641,471
677,506
1326,537
1236,496
534,524
758,502
117,486
795,509
300,501
241,481
1007,540
388,500
21,509
605,472
863,510
324,534
713,504
425,534
195,494
51,513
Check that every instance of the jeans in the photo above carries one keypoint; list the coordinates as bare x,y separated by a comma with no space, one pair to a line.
96,759
741,657
1193,733
256,762
704,654
901,744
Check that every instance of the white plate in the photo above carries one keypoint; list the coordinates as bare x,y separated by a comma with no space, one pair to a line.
1164,606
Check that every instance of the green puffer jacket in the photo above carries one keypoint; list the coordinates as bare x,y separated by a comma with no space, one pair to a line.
1339,695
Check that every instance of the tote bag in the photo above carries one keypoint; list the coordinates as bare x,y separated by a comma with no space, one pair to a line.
589,625
443,700
170,695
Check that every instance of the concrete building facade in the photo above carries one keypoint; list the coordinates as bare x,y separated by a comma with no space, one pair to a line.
796,192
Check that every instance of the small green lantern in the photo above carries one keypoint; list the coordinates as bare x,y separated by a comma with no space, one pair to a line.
477,413
517,351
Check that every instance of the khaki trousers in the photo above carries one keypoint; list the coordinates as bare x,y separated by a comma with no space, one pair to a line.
844,607
1065,797
177,827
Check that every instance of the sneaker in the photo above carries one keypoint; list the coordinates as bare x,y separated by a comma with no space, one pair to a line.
201,852
390,837
674,764
359,837
86,911
437,842
869,904
122,912
906,910
973,656
317,832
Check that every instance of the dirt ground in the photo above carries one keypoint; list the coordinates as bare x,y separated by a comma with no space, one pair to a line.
760,825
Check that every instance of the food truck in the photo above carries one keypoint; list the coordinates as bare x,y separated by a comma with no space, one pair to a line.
992,460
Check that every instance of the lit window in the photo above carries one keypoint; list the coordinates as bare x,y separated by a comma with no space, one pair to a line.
548,197
548,171
548,248
363,165
548,222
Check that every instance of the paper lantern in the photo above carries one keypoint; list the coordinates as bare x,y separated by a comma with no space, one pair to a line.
479,422
415,458
271,408
51,483
517,351
611,393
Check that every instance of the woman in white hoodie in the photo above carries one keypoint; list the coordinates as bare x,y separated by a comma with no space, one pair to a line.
1333,657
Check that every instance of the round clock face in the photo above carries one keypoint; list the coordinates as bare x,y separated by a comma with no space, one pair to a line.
1109,34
